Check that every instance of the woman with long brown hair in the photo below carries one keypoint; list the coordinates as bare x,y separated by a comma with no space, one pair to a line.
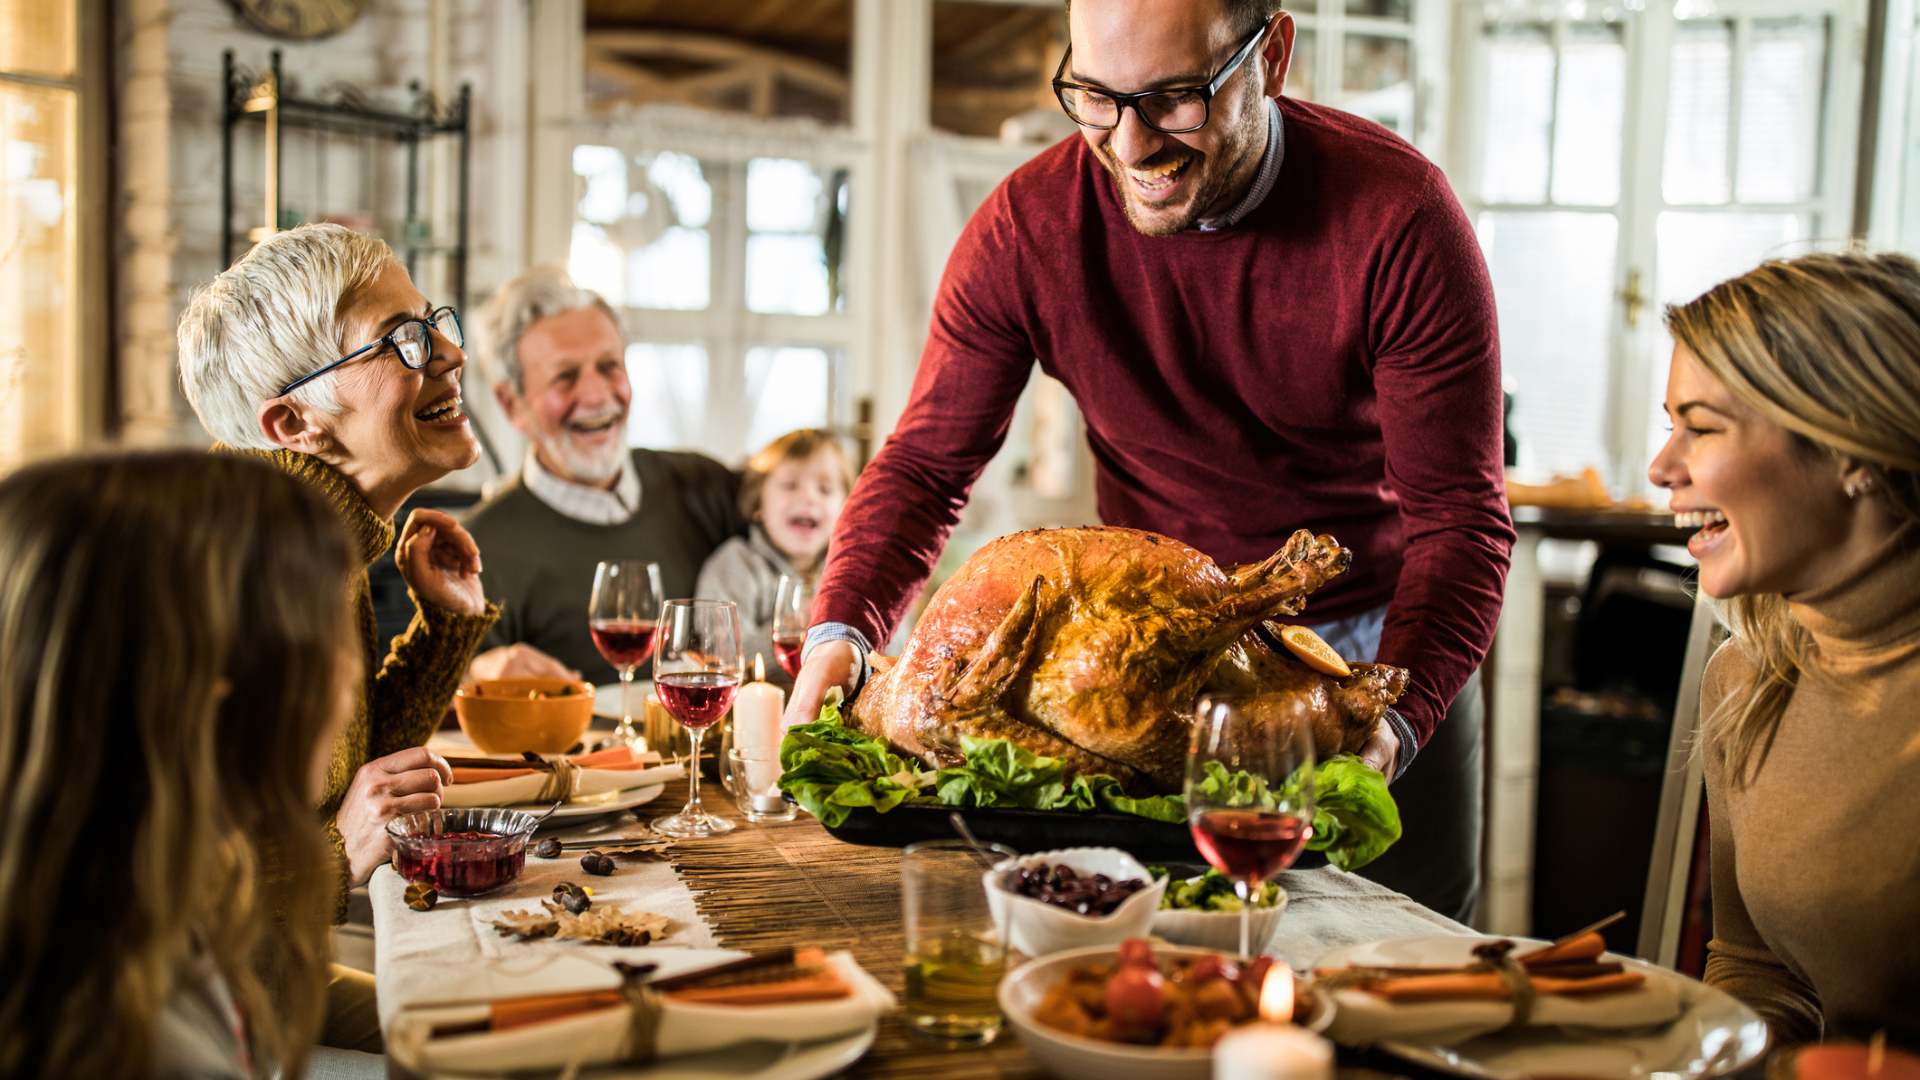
175,661
1795,400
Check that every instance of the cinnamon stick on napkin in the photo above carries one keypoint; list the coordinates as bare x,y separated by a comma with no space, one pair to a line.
619,757
779,978
1567,968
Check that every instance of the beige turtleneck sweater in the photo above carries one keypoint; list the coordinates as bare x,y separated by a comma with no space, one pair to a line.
1816,863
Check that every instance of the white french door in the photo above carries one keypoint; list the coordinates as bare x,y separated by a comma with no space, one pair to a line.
1619,158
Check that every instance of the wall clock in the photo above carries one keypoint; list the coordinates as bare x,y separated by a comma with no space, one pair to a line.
300,20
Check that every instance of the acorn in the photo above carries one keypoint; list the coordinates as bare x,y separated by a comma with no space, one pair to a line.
572,897
598,863
420,896
548,848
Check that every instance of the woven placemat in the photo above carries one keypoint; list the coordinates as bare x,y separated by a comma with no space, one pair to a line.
790,883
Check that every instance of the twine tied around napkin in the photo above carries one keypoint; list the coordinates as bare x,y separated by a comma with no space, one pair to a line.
643,1012
562,780
1497,957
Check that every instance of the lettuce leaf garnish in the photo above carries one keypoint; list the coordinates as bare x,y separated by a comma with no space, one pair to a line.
832,770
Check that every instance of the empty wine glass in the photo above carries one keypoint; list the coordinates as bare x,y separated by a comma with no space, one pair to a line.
1249,796
696,673
622,617
792,611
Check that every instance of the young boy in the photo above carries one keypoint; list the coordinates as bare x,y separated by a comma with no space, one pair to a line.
792,493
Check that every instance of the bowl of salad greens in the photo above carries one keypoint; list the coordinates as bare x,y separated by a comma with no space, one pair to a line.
1204,912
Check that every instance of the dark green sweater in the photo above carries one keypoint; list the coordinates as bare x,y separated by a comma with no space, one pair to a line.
539,563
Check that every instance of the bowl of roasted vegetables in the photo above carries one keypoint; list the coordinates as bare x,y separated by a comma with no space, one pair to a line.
1204,912
1141,1012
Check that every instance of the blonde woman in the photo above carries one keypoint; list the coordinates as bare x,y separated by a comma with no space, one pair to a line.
1795,402
175,661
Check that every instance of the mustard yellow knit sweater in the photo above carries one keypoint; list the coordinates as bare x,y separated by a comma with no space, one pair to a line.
406,693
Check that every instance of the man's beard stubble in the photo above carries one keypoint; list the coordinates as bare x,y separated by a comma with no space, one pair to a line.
1214,182
588,466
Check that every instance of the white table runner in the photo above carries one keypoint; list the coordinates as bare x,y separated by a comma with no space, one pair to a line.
453,952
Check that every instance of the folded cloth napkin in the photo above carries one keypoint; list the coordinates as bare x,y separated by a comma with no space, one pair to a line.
603,1036
589,774
1450,1009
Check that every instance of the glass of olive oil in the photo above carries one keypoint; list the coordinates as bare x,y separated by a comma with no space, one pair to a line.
956,954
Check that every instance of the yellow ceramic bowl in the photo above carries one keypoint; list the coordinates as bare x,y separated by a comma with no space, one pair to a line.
513,716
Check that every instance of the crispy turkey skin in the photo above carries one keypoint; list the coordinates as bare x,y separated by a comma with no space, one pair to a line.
1092,644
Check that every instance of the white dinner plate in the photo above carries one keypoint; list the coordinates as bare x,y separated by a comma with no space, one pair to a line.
748,1061
607,802
606,700
756,1061
1713,1036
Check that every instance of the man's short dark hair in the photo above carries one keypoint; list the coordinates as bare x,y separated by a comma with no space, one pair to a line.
1243,15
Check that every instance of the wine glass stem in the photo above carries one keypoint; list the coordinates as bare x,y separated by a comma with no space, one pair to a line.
694,809
626,733
1244,888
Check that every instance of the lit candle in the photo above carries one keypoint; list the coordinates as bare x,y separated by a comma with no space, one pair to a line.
756,712
1276,995
1272,1052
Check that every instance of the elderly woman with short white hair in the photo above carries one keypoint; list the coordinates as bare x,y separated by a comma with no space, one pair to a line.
315,352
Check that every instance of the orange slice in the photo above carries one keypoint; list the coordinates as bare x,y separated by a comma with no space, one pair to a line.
1314,652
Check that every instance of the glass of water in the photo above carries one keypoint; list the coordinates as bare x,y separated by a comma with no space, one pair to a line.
956,953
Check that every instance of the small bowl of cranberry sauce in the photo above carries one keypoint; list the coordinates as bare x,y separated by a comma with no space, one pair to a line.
464,852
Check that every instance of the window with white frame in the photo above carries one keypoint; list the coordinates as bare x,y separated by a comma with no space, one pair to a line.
727,271
1356,55
1623,157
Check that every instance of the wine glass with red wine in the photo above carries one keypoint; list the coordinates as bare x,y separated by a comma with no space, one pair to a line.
1249,796
792,611
622,616
696,673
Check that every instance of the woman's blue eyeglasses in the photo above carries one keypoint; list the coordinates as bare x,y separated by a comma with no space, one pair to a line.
412,341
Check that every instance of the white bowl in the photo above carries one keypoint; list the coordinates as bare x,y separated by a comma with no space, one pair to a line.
1220,929
1076,1057
1037,928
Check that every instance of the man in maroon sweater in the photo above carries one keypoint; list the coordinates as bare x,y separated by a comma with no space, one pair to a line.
1277,320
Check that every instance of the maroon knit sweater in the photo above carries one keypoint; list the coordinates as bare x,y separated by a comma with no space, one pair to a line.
1329,363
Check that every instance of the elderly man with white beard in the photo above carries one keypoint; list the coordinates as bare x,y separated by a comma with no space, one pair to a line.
557,358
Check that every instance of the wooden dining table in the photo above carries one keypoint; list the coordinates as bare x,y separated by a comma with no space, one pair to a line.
793,884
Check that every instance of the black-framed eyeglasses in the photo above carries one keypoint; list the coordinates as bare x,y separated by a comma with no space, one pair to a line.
1173,111
411,341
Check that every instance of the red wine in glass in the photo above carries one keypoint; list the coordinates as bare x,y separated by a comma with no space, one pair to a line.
621,616
696,673
787,649
696,698
1254,844
625,644
1249,796
792,613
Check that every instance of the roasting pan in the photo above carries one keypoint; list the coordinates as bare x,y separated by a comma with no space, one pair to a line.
1154,842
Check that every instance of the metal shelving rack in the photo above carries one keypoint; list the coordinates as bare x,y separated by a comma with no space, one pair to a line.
254,97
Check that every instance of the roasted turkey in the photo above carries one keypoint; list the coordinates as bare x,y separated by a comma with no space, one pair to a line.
1093,644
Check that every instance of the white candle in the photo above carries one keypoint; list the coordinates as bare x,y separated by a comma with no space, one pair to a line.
1272,1052
757,709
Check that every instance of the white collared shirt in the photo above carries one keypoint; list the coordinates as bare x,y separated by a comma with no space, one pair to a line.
1269,171
595,506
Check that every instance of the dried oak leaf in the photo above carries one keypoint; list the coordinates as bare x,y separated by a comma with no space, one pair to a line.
608,925
603,925
529,924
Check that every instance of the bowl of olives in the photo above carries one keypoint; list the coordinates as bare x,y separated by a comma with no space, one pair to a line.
1074,898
